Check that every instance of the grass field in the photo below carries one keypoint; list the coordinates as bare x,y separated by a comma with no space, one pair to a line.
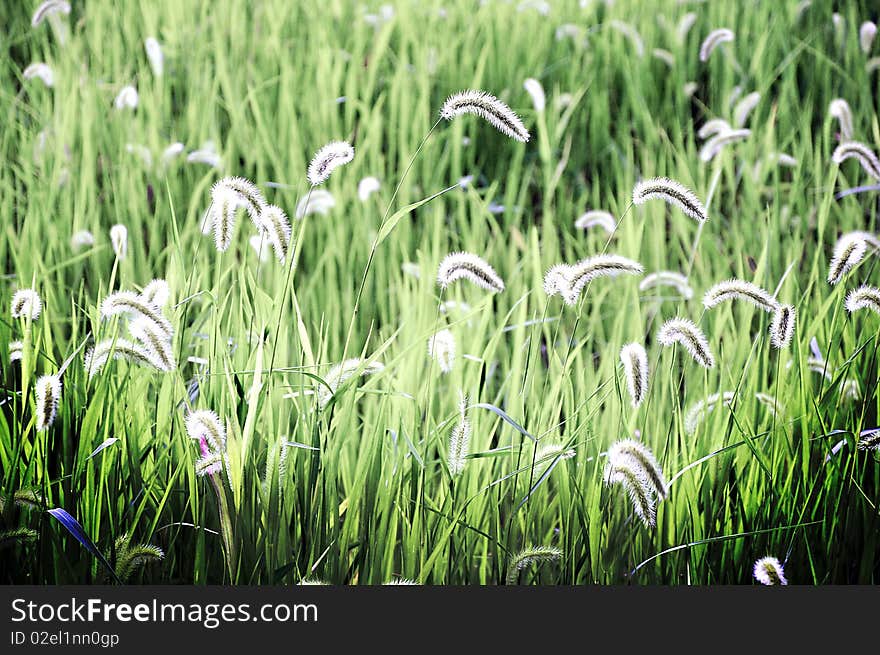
360,487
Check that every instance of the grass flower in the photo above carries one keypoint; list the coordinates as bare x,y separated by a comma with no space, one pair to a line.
49,8
632,466
96,358
277,228
782,326
713,127
861,153
157,292
487,107
48,393
839,109
40,70
154,340
205,427
744,108
683,331
849,250
715,39
718,142
596,218
154,55
130,557
468,266
672,279
135,306
16,351
536,91
26,304
127,98
635,367
865,297
367,187
739,290
459,440
328,159
586,270
441,348
529,556
671,192
81,239
867,32
698,412
119,241
768,571
319,201
240,192
341,373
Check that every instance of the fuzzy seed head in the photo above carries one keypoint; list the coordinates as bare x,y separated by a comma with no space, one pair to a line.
683,331
596,218
468,266
867,32
487,107
328,159
367,187
459,440
155,56
95,359
276,226
840,110
698,412
529,556
861,153
40,70
441,348
768,571
585,271
16,351
669,279
82,239
739,290
713,127
155,340
536,91
127,98
119,240
135,306
49,8
849,250
717,143
341,373
48,393
671,192
782,326
865,297
635,367
715,39
26,304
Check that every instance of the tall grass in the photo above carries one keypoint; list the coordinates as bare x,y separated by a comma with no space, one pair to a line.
359,491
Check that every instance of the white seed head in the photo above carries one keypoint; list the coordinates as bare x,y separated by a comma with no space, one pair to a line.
718,142
712,127
207,429
630,33
839,109
665,56
319,201
669,279
627,470
770,402
171,153
744,108
155,56
867,32
157,292
441,348
244,191
865,297
585,271
327,159
487,107
671,192
42,71
536,91
82,239
468,266
631,448
715,39
95,359
861,153
849,251
685,23
367,187
16,351
739,290
127,98
768,571
134,306
683,331
596,218
49,8
527,557
155,340
557,280
635,367
697,412
48,393
459,440
341,373
277,230
205,156
782,326
119,240
26,304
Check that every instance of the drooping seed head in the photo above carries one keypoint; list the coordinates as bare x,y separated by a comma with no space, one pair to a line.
745,107
768,571
536,91
49,8
715,39
665,56
26,304
685,23
587,270
865,297
770,402
718,142
861,153
624,469
341,373
16,351
96,358
782,326
48,393
155,340
205,424
119,240
849,250
82,239
127,98
487,107
646,460
867,32
277,229
698,412
157,292
328,159
630,33
739,290
367,187
319,201
713,127
635,367
557,280
40,70
171,153
225,204
596,218
441,348
669,279
839,109
529,556
459,440
468,266
671,192
134,305
683,331
155,56
247,194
